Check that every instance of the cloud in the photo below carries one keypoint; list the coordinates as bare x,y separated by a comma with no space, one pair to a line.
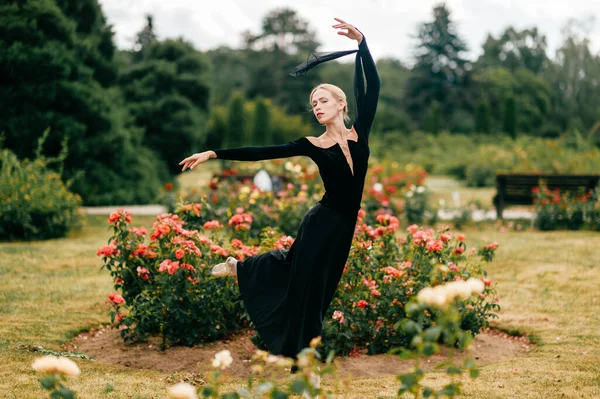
389,25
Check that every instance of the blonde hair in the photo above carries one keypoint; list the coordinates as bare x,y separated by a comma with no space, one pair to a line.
336,92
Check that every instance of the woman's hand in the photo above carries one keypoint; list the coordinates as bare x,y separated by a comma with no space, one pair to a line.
196,159
352,32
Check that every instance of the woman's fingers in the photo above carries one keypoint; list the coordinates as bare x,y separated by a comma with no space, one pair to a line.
340,20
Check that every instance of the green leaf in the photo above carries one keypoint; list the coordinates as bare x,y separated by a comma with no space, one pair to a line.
430,349
427,392
330,356
66,393
470,363
474,373
454,370
449,390
280,395
48,382
298,386
432,333
412,309
408,380
231,395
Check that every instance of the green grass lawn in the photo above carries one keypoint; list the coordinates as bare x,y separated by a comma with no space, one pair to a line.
547,284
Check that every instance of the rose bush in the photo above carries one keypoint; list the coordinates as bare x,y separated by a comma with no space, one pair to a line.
565,210
164,285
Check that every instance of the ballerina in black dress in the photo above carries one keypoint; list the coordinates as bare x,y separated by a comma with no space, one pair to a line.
287,293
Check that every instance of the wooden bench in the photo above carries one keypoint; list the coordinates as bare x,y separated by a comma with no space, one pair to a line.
515,188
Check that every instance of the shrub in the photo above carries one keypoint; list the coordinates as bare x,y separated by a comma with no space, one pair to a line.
166,284
35,204
564,210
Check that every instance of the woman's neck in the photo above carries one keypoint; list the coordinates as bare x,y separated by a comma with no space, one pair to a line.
336,130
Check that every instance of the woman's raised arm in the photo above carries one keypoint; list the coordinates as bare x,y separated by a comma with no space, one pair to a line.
365,101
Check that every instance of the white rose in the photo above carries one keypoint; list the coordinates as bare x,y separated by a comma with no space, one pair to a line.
222,360
182,390
46,365
67,367
420,189
378,186
475,285
289,165
439,298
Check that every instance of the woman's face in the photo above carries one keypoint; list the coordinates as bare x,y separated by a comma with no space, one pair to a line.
325,106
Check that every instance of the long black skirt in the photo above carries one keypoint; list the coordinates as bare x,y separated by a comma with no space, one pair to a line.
287,292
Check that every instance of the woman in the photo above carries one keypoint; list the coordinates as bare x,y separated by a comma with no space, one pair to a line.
287,293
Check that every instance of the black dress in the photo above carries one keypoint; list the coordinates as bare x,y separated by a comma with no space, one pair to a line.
287,293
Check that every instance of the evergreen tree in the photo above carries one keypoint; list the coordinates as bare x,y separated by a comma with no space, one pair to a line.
168,94
510,116
482,118
261,132
441,73
236,123
432,120
56,68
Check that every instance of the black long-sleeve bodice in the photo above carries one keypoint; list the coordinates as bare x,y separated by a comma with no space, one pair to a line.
343,190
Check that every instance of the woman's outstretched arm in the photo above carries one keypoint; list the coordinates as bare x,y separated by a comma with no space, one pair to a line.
256,153
253,153
365,102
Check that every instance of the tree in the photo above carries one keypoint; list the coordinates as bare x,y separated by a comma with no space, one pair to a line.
515,49
236,122
56,69
283,31
482,118
167,92
441,73
261,132
574,77
285,41
494,84
432,119
510,116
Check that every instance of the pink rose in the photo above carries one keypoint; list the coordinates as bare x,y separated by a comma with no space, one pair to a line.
338,315
116,298
412,229
180,253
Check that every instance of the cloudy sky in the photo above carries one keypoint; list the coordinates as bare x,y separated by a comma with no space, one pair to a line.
387,24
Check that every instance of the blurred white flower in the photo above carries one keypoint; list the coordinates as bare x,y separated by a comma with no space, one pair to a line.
420,189
222,360
289,165
67,367
475,284
46,365
441,295
409,194
378,186
182,390
56,365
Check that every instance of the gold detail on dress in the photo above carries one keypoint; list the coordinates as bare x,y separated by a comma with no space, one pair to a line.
345,150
